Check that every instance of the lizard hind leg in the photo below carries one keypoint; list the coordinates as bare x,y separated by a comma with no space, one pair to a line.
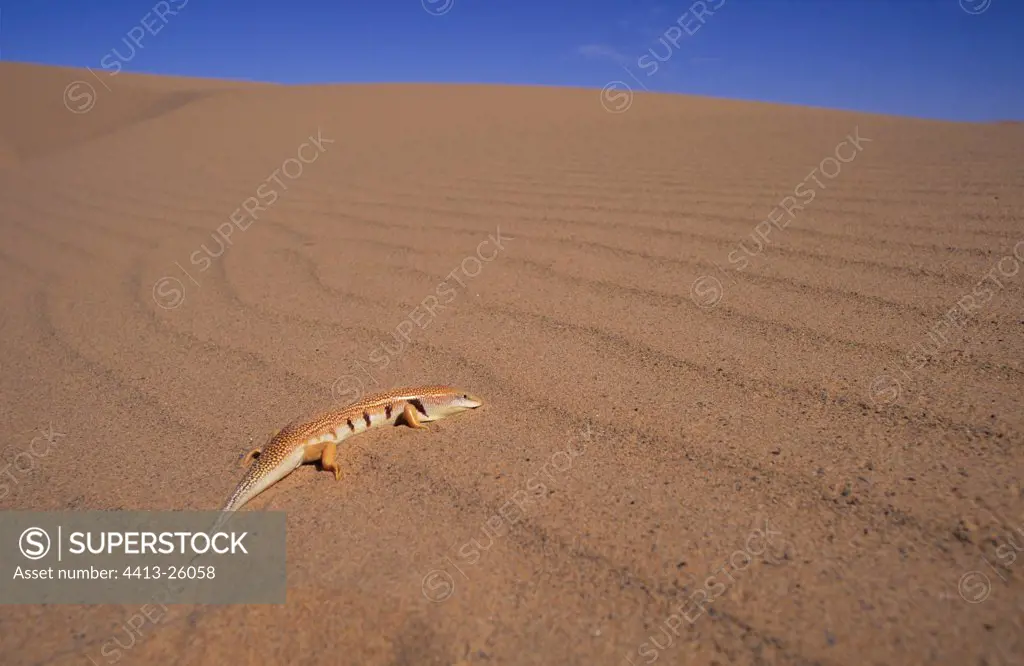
247,459
411,419
329,459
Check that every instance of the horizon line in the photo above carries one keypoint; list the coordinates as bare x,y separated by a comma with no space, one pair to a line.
664,93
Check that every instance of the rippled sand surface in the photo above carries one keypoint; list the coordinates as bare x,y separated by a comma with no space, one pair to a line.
809,424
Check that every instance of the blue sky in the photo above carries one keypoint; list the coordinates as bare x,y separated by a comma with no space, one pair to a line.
925,58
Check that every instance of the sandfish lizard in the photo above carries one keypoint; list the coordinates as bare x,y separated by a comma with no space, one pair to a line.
307,441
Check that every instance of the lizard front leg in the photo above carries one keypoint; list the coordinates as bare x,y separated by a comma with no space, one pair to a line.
329,459
411,418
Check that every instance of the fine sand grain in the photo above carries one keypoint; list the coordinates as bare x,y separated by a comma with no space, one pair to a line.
590,269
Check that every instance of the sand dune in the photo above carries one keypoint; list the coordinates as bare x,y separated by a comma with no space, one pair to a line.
604,289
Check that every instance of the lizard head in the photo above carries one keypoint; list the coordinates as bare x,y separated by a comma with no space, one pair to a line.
452,400
468,401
